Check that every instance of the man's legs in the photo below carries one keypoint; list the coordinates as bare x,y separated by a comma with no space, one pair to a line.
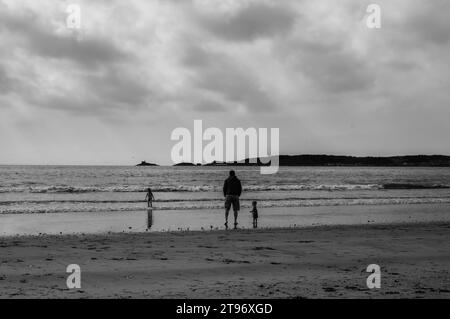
236,208
227,212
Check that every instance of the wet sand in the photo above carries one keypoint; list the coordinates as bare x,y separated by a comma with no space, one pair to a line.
204,219
315,262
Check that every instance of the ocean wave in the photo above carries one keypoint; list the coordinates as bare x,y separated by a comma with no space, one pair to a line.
219,205
215,188
414,186
181,188
104,189
187,200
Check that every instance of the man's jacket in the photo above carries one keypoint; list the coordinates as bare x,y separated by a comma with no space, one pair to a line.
232,186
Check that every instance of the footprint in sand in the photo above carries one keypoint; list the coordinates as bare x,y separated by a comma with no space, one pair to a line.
116,258
264,248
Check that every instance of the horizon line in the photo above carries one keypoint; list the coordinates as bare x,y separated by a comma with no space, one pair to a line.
173,164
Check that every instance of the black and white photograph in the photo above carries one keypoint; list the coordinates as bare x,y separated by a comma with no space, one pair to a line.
225,150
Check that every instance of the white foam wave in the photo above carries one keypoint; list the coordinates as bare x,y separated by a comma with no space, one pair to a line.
182,188
219,205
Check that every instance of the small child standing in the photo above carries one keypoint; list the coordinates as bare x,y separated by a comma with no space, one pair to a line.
254,212
149,197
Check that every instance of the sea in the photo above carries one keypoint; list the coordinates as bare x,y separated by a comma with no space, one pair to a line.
67,199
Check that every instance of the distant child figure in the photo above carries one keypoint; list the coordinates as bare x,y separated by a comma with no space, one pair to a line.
149,197
254,212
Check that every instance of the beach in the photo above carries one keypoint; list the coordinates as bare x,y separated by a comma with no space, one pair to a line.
309,262
232,150
154,220
319,229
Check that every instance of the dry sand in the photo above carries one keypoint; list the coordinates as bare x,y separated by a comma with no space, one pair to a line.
314,262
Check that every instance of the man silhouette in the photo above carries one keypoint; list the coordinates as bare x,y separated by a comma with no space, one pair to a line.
232,189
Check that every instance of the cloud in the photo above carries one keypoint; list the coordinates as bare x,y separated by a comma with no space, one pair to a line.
5,84
55,68
118,87
221,74
312,68
332,68
253,21
428,23
43,40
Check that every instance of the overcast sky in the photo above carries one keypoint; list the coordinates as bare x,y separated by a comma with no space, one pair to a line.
113,91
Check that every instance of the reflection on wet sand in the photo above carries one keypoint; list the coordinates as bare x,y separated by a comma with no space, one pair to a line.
149,218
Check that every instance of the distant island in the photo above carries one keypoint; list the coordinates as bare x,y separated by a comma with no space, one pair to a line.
336,160
187,164
144,163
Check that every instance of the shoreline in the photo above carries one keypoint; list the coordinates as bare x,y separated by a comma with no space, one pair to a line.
311,262
154,221
248,231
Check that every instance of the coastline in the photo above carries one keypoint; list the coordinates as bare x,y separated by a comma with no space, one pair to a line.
310,262
144,220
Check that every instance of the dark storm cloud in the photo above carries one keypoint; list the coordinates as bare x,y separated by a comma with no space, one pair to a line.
195,57
331,67
310,67
334,69
430,23
236,86
10,83
254,21
401,65
206,105
222,75
43,41
100,82
5,81
118,87
106,92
